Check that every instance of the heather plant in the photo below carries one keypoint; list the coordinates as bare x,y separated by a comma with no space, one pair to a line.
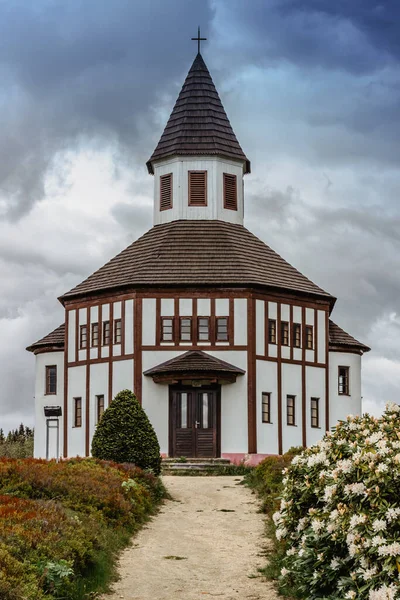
339,513
125,435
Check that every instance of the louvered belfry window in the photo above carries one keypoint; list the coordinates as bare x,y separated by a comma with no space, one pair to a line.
230,191
166,191
197,188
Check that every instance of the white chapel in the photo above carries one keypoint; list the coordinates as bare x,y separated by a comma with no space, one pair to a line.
230,350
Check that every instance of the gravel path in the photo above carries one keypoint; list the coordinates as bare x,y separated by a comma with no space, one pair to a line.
207,542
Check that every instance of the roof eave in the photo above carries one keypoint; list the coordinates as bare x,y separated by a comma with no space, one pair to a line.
245,161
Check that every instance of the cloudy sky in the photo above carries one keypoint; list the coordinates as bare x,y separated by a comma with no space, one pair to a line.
312,89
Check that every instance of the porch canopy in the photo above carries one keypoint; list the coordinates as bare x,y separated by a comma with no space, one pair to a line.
194,368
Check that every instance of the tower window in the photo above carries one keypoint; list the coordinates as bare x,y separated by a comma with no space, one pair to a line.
100,406
203,329
266,407
106,333
166,191
272,331
291,410
309,337
186,329
222,329
95,334
284,333
77,412
344,377
167,329
230,191
314,412
51,379
297,335
197,188
117,331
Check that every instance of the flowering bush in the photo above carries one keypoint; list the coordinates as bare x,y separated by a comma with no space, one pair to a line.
339,513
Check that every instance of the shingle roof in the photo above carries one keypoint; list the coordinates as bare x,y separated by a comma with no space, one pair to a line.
198,123
55,338
197,253
339,337
192,362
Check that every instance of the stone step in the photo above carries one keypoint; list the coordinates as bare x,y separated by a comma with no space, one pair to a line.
208,461
192,466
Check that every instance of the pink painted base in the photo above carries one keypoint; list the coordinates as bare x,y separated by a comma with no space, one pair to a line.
238,458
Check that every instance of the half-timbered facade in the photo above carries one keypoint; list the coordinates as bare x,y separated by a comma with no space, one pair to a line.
230,349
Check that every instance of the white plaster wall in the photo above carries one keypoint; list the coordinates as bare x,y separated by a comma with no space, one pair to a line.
76,389
98,385
149,322
297,316
222,307
272,310
41,400
260,327
117,310
203,307
94,314
240,305
71,335
291,385
321,337
310,316
315,388
129,326
105,312
341,406
82,316
167,307
267,433
185,307
122,376
215,167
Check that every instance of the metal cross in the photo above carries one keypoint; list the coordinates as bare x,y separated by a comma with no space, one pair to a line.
199,39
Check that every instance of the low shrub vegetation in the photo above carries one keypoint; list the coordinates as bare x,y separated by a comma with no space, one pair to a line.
125,434
339,517
61,524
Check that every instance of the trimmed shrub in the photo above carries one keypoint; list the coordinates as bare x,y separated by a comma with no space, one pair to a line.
340,510
125,435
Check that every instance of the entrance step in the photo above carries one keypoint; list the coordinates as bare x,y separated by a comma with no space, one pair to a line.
190,465
208,461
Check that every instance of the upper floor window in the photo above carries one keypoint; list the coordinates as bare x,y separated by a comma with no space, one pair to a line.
266,407
166,191
203,329
297,335
106,333
77,412
51,379
95,334
314,412
344,381
272,331
309,337
222,329
117,331
100,406
167,329
197,188
284,333
230,191
83,337
186,329
291,410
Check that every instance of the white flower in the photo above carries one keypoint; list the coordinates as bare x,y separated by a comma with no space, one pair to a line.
350,595
357,520
276,517
317,459
284,572
317,525
281,533
392,407
392,514
379,525
383,593
302,524
329,492
357,489
389,550
335,563
378,540
291,552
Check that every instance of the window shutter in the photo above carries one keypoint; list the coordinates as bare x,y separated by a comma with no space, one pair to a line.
166,191
197,188
230,191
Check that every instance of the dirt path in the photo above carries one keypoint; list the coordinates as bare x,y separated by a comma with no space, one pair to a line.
219,550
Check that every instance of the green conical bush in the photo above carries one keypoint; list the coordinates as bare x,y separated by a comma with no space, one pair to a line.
125,434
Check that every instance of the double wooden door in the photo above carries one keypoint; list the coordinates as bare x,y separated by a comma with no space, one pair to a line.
194,422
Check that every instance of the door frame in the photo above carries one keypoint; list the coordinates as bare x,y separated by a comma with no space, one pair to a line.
182,388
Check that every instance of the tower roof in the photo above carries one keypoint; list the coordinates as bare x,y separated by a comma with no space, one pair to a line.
198,253
198,123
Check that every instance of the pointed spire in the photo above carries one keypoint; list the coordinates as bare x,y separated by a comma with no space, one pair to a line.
198,123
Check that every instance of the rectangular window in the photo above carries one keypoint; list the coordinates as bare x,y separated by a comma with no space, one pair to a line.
95,335
291,410
309,337
51,379
166,191
314,412
230,191
203,329
77,412
100,406
297,335
272,331
197,188
167,329
284,333
222,329
83,337
266,407
117,331
106,333
186,329
344,376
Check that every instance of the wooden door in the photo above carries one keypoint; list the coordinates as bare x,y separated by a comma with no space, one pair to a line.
193,423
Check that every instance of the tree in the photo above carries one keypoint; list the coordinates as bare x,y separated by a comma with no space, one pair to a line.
125,434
